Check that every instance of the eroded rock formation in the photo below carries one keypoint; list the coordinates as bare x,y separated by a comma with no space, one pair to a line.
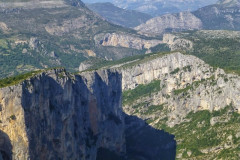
125,40
186,84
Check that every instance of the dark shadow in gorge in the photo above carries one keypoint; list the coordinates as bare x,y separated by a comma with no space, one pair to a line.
48,113
5,147
59,113
144,142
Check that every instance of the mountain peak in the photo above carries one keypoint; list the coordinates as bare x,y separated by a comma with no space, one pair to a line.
229,3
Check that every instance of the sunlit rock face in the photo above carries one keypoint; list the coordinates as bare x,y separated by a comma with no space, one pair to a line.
186,84
170,22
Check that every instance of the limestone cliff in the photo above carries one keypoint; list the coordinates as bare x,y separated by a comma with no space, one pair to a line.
55,115
177,43
170,22
125,40
186,84
186,97
58,115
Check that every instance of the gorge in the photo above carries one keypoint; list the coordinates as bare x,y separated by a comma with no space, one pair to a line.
57,115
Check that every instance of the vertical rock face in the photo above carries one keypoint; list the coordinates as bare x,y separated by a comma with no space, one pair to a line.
55,115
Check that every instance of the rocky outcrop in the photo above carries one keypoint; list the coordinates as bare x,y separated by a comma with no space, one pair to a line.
57,115
125,40
176,43
170,22
84,66
187,84
4,27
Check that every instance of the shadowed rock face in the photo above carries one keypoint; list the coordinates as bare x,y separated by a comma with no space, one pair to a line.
5,147
144,142
64,118
56,115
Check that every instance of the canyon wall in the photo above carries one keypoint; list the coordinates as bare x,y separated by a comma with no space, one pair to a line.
186,84
58,115
55,115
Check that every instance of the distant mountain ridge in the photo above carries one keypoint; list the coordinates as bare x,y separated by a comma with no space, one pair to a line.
119,16
158,7
221,16
229,3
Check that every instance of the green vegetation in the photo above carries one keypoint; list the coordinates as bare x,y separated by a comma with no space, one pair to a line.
187,69
195,84
17,79
175,71
13,117
215,49
29,46
160,47
222,53
128,61
184,90
198,133
153,109
141,91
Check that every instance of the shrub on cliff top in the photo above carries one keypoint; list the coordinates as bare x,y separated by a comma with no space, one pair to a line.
16,79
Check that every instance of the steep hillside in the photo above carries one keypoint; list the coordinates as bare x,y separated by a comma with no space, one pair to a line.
221,16
53,114
42,34
119,16
185,96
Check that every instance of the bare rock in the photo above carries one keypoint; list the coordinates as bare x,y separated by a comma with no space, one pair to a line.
170,22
